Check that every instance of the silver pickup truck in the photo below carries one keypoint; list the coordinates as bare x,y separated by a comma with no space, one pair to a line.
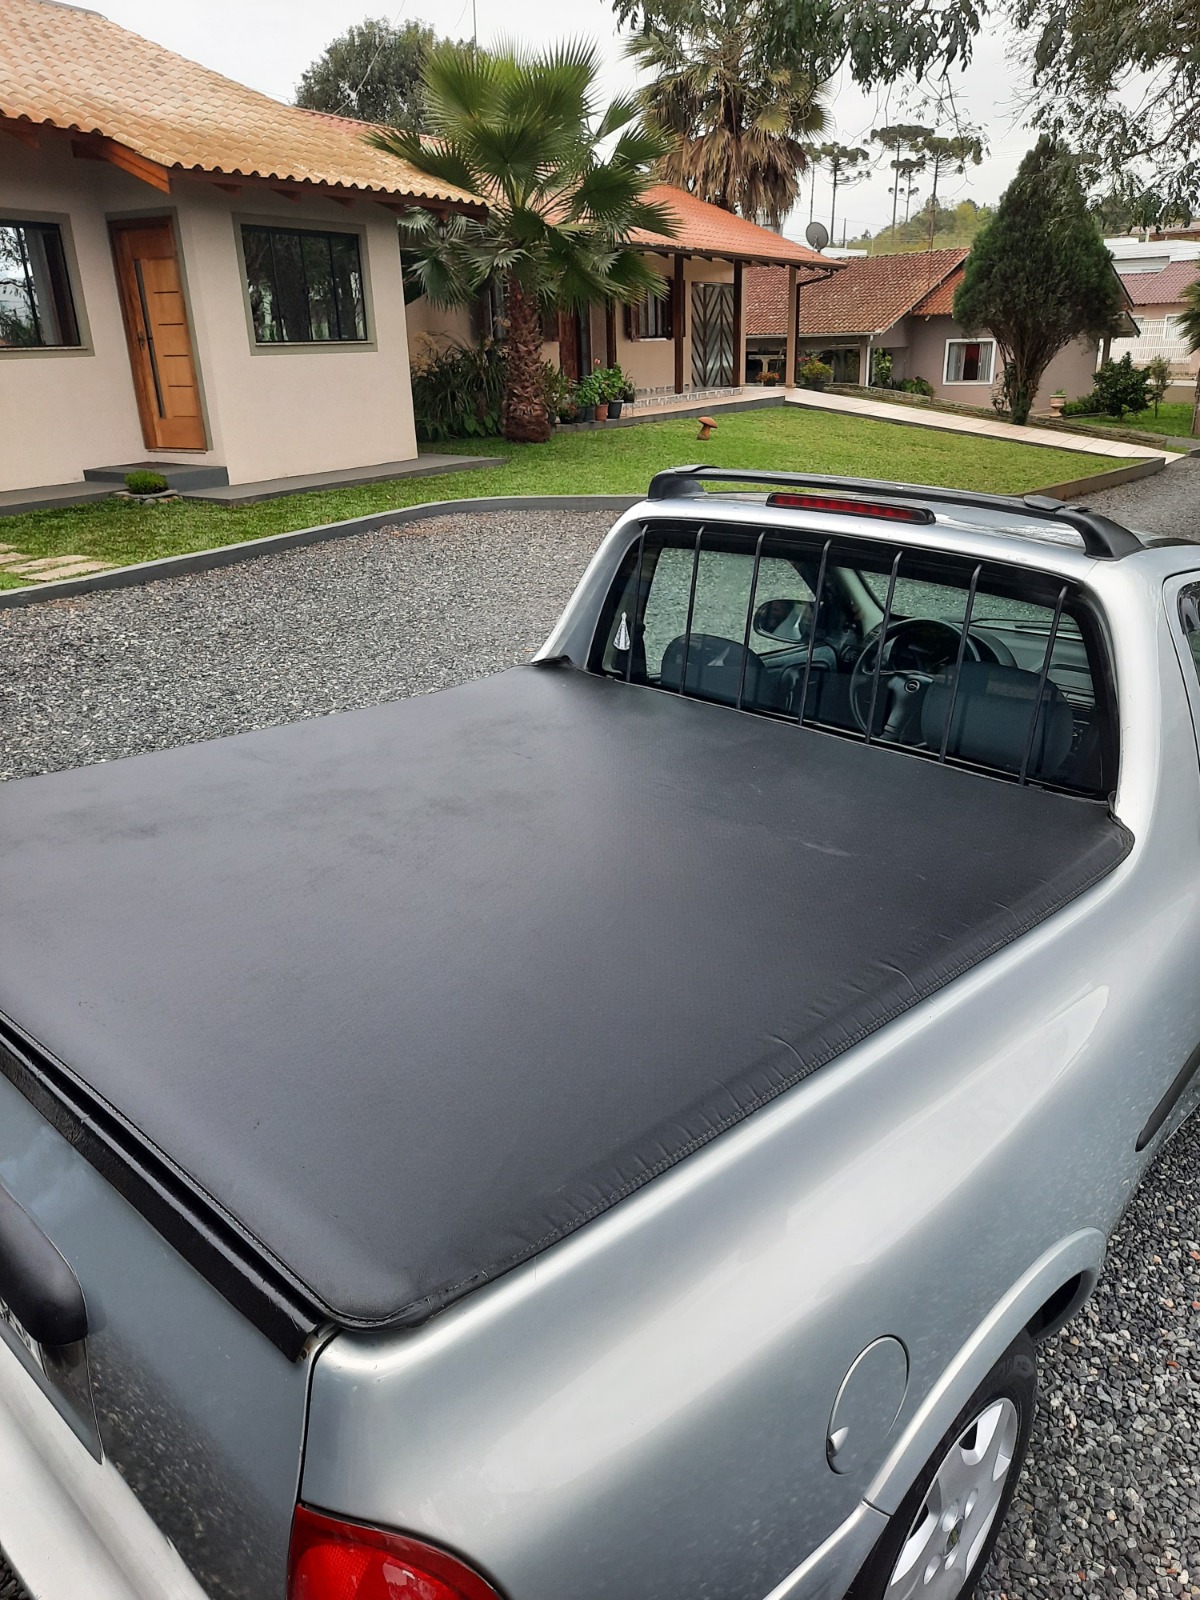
616,1130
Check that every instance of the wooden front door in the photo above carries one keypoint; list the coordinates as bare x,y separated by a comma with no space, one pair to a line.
160,341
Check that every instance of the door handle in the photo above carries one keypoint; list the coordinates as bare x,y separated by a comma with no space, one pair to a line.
36,1284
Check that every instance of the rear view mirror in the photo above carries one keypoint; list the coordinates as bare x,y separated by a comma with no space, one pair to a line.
785,621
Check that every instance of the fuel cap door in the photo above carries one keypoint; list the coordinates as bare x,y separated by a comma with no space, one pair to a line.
867,1405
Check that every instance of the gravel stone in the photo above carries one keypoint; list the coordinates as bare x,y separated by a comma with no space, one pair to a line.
1109,1503
1168,503
330,627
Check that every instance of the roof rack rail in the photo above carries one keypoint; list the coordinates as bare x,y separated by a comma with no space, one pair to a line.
1102,538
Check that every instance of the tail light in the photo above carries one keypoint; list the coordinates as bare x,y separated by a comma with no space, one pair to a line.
335,1560
853,508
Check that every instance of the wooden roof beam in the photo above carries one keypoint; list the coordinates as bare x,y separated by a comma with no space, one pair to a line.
98,148
24,132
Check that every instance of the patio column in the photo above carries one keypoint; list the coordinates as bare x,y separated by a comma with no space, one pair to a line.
739,325
679,319
610,333
793,300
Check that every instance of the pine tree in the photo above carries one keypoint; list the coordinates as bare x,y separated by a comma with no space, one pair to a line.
1038,275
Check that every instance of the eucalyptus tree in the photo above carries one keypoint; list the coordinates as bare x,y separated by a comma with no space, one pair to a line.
564,182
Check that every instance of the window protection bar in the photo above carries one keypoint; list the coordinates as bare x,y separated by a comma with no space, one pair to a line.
958,661
639,625
691,611
1102,538
883,628
1041,688
812,632
749,618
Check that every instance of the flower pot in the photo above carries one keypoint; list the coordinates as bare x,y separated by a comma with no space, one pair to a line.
587,413
601,410
1057,402
615,408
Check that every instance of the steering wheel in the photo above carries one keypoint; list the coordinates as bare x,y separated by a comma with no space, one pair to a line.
903,685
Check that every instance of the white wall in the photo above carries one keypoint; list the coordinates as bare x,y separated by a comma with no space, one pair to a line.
270,412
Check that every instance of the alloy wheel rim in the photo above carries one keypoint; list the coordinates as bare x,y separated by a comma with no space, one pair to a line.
951,1528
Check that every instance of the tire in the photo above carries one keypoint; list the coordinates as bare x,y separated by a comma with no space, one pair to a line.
922,1554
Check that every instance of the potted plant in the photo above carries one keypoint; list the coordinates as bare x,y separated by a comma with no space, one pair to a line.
587,392
628,392
612,389
1057,401
814,373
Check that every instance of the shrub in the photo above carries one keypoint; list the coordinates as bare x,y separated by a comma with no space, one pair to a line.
1087,405
1122,387
458,392
142,482
1158,375
559,392
881,369
813,373
918,386
587,390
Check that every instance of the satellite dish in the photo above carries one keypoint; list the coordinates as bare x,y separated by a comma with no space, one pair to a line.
817,235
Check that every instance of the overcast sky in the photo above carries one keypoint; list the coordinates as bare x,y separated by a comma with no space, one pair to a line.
268,43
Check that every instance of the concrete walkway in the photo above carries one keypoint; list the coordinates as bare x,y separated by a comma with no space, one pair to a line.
982,427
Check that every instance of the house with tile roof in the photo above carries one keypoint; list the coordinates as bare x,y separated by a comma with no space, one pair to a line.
192,274
901,305
690,339
1156,289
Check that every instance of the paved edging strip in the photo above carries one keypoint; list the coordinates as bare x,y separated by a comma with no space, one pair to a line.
1094,482
227,555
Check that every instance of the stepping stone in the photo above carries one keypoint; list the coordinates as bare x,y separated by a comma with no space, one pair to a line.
49,567
9,550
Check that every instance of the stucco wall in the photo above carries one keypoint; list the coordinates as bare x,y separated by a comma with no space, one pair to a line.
269,413
1071,370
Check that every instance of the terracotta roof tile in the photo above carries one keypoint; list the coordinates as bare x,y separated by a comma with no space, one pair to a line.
76,70
939,302
1162,288
704,229
868,296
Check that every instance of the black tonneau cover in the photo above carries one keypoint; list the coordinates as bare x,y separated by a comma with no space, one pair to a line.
412,992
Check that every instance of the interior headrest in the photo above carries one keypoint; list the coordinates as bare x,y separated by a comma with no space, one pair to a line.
714,668
993,709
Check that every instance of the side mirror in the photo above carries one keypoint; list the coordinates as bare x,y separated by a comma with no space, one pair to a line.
785,621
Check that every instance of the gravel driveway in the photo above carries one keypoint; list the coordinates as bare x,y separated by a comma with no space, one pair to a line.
1109,1504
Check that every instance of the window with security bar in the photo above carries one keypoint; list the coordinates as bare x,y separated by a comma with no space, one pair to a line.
972,664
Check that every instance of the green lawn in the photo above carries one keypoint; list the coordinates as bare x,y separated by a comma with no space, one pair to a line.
614,461
1174,420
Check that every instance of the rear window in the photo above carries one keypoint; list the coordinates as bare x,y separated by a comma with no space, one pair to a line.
976,664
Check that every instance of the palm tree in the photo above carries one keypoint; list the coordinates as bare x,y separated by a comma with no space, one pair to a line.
740,123
522,129
1189,324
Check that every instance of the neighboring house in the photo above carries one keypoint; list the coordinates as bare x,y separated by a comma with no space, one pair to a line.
1156,289
690,338
190,272
901,304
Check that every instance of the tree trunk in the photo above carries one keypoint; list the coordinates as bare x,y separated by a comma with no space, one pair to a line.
1196,411
525,417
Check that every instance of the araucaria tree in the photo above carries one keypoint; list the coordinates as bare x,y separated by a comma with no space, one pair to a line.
564,184
739,120
1038,275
